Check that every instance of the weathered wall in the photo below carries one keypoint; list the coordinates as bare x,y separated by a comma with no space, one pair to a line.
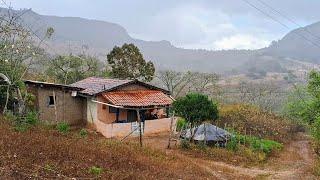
92,115
67,108
105,116
123,129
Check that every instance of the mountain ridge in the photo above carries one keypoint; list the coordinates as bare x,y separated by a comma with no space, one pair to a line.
72,33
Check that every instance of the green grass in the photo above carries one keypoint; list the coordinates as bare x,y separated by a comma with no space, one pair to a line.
95,170
255,143
63,127
83,133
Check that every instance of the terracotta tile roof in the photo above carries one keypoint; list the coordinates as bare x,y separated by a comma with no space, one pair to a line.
94,85
138,98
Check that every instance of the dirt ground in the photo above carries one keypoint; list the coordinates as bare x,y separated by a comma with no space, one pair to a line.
294,162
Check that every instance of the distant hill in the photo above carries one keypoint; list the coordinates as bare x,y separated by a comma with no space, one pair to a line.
73,33
294,44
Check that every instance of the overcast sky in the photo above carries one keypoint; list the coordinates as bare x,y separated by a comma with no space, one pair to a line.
204,24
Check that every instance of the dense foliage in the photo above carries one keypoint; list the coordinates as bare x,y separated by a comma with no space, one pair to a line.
127,62
69,69
304,105
195,108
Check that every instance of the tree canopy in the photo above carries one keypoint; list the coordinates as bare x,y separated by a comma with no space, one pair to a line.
127,62
69,69
195,108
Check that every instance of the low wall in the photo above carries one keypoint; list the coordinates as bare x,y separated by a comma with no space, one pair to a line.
123,129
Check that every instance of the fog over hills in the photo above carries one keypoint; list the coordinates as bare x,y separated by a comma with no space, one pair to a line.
73,33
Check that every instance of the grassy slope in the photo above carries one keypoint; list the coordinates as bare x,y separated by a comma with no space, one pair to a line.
45,153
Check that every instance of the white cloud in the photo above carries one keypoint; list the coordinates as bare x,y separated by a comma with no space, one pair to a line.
241,41
194,26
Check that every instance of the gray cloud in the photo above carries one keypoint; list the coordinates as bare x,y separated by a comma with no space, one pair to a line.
209,24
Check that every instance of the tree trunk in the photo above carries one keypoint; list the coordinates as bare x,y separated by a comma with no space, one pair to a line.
7,100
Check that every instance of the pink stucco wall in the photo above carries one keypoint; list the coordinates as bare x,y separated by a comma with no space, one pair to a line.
123,129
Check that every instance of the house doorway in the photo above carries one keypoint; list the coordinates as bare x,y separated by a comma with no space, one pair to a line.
132,116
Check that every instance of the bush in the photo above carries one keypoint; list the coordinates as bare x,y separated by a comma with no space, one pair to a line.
264,145
83,133
63,127
181,124
9,116
195,108
315,129
254,143
247,119
32,118
185,144
22,123
95,170
232,144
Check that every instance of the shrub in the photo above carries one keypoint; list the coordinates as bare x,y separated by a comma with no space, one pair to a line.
63,127
95,170
254,143
32,118
22,123
201,145
315,129
83,133
232,144
9,116
181,124
247,119
185,144
21,127
195,108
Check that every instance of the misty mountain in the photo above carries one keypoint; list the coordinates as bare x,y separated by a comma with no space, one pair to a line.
73,35
302,43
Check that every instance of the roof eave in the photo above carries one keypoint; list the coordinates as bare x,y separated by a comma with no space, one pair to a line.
134,82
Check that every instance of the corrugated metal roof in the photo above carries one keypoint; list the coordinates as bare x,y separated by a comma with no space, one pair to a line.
94,85
46,84
138,98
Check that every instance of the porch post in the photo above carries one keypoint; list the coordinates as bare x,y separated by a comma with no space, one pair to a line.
139,121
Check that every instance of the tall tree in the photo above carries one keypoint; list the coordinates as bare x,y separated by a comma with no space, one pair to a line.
127,62
69,69
19,53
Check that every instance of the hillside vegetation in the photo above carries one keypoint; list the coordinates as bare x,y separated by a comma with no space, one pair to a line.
250,120
44,153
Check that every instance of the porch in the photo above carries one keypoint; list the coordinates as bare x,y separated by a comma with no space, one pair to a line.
149,127
123,113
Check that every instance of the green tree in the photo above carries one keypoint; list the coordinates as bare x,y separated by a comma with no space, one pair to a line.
71,68
195,108
127,62
303,103
298,105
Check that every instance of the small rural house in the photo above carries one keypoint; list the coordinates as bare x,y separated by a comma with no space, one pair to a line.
111,106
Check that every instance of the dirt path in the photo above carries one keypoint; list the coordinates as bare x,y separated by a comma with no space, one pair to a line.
294,162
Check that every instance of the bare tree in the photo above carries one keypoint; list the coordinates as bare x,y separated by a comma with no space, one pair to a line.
18,53
175,82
